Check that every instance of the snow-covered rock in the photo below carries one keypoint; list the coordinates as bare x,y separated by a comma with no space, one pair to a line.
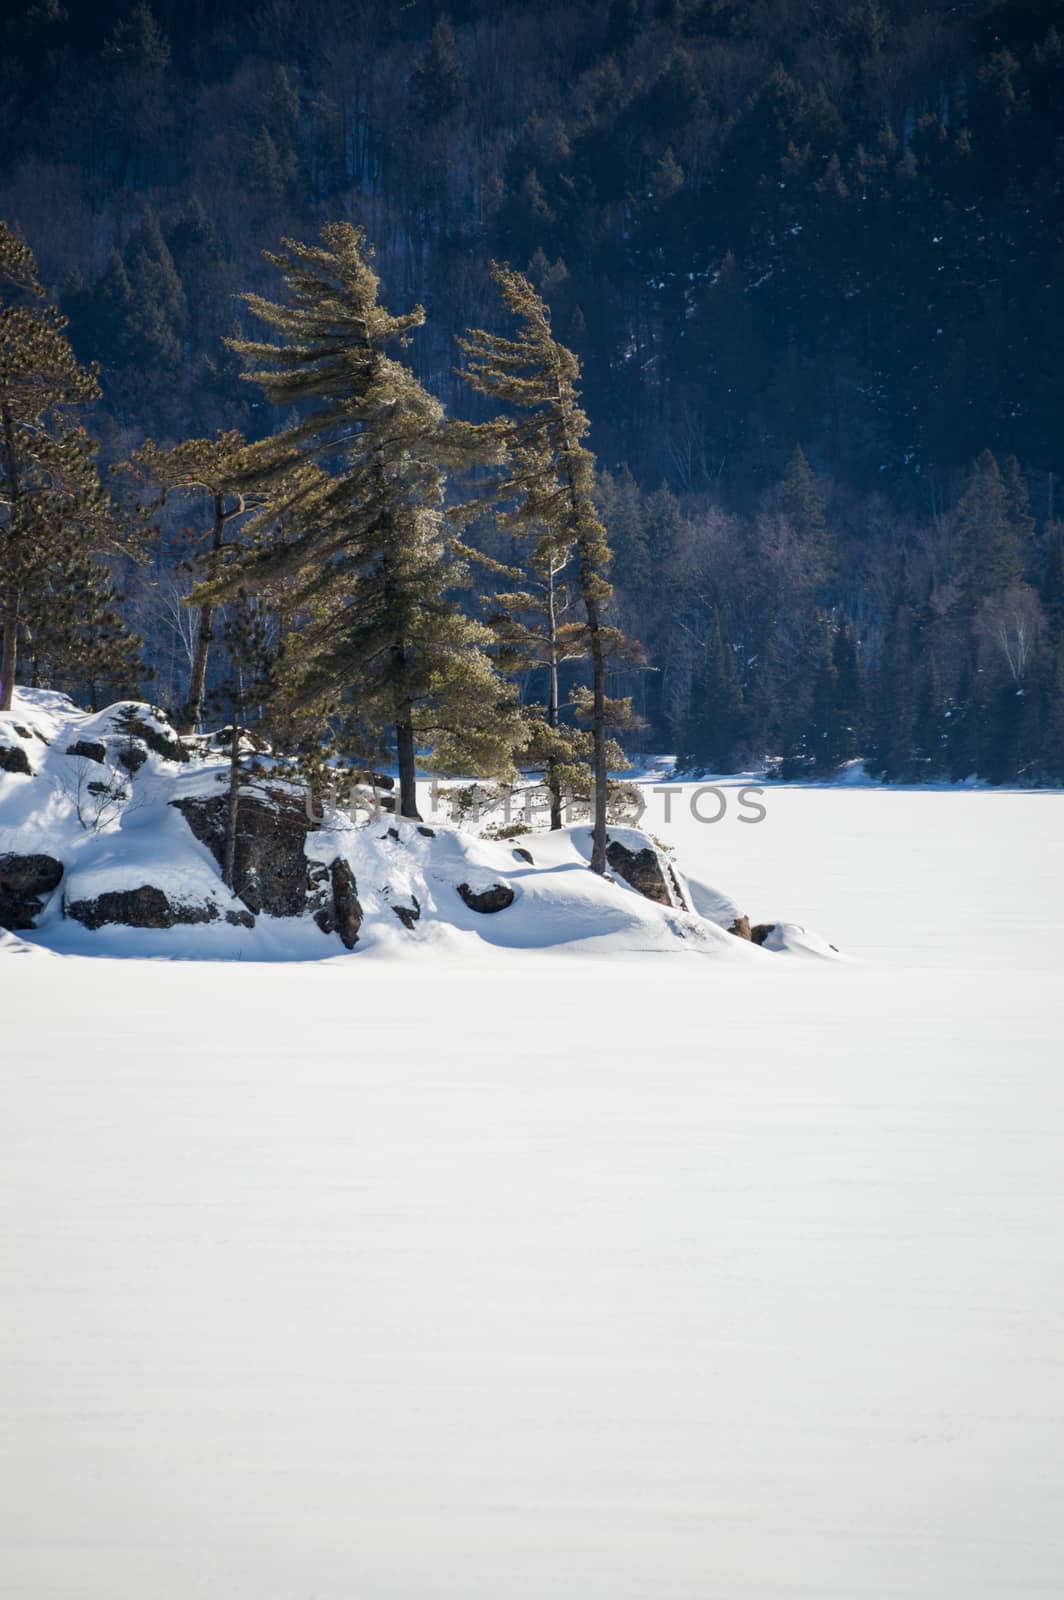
112,842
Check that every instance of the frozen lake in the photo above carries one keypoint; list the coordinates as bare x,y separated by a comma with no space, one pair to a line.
628,1278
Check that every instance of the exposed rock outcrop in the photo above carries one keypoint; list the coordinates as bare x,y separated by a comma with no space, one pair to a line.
761,930
88,750
145,907
741,928
26,882
495,898
14,759
342,912
156,733
408,915
271,871
643,870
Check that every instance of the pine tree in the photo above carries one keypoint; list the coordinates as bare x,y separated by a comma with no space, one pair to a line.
551,476
896,689
987,533
437,85
929,727
380,645
849,695
799,501
55,596
714,722
158,311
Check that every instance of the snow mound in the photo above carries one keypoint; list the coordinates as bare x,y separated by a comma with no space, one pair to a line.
135,818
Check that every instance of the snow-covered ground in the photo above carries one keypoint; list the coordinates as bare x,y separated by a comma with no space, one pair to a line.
604,1277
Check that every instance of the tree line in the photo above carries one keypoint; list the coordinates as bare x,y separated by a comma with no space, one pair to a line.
368,608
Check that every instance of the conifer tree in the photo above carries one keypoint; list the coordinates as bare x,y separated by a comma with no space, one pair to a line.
988,532
551,477
800,502
380,645
714,721
896,689
54,516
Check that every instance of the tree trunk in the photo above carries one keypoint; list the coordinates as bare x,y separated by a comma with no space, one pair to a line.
404,746
598,728
229,869
190,717
553,785
9,653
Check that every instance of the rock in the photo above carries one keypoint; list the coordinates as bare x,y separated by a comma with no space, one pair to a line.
271,872
163,740
25,884
427,833
761,930
240,919
14,759
393,833
146,907
344,915
408,915
741,928
88,750
523,855
132,756
496,898
23,733
346,902
641,870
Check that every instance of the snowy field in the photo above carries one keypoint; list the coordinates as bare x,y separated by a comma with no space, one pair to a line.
603,1278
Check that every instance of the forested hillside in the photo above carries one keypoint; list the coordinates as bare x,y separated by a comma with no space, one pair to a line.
808,256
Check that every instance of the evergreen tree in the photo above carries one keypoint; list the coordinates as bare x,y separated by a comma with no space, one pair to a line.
896,689
437,85
551,475
158,312
988,533
380,645
929,728
799,501
849,694
714,722
55,596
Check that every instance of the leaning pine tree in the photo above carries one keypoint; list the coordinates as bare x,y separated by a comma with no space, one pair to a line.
57,602
550,483
377,649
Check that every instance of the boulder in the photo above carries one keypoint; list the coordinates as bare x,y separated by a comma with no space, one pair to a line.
132,756
25,885
157,734
346,903
761,930
271,873
88,750
342,912
14,759
642,870
741,928
146,907
408,915
524,855
495,898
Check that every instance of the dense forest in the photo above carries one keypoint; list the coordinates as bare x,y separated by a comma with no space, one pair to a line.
807,255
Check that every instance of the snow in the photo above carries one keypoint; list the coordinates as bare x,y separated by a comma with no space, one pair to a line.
491,1272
